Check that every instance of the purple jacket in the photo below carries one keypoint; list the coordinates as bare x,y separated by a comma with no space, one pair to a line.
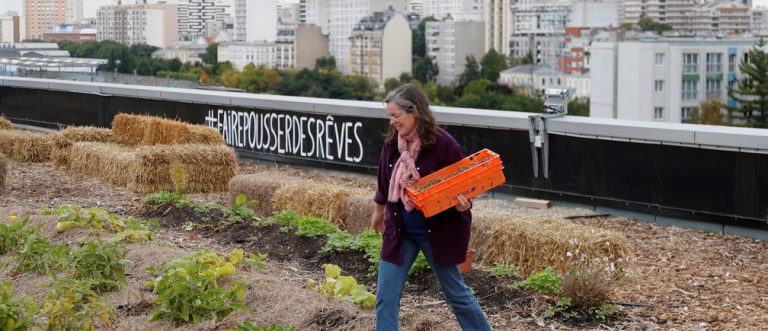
448,231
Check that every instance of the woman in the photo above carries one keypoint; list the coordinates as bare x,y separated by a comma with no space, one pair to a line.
415,147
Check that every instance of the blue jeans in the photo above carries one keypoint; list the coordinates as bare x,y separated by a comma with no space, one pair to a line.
391,283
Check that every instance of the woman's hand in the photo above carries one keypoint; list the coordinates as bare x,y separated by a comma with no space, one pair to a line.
464,204
377,219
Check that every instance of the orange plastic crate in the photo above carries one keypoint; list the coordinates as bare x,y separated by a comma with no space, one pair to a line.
471,176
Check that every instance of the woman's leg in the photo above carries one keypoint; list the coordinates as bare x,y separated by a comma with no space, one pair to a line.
459,295
389,288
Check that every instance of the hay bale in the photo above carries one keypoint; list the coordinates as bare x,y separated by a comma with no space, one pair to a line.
150,130
483,219
259,187
3,172
357,212
62,141
533,244
25,146
111,162
315,198
209,168
5,124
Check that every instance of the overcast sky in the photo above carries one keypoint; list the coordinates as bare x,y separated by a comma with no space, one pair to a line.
90,6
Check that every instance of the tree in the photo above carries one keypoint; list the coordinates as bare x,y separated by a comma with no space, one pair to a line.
230,78
491,64
647,24
418,40
752,89
578,107
709,113
211,55
471,71
143,50
425,70
326,63
391,84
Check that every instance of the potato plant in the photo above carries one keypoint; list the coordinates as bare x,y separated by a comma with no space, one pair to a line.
15,314
13,234
101,263
72,305
343,287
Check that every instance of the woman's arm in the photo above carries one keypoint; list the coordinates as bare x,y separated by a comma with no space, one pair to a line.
377,219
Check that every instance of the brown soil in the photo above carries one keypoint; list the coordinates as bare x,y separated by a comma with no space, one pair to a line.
679,279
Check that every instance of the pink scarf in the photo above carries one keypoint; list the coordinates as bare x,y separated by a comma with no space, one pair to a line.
404,173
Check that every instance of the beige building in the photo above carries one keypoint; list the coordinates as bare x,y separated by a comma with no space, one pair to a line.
296,46
497,29
380,47
689,18
311,44
151,24
41,15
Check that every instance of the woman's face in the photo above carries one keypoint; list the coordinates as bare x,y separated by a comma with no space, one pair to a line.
404,122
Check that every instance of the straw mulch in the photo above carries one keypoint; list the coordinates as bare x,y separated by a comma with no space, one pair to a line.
145,169
25,146
3,172
259,188
533,244
149,130
5,124
315,198
357,212
63,140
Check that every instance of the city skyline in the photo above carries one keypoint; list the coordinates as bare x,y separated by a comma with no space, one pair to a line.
91,6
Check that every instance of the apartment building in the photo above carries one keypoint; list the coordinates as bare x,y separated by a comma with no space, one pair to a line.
662,79
76,33
256,21
315,12
41,15
450,42
151,24
536,79
688,17
380,46
197,16
537,29
760,22
497,21
460,10
296,46
10,28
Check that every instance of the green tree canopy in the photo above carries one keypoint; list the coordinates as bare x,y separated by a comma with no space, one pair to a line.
425,70
709,112
471,71
751,92
418,40
647,24
211,55
492,64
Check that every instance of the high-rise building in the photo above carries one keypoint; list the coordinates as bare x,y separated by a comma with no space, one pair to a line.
380,46
42,15
195,16
537,28
460,10
497,29
315,12
151,24
256,20
450,42
9,28
344,15
760,22
74,11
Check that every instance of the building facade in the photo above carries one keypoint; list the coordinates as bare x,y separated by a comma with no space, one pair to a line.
297,46
73,33
450,42
315,12
380,47
460,10
10,28
151,24
663,80
197,16
497,25
537,29
42,15
535,79
693,18
256,21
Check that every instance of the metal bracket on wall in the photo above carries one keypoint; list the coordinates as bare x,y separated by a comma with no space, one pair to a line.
537,135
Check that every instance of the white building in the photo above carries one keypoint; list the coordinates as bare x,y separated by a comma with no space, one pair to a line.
297,46
315,12
532,78
662,79
380,47
460,10
256,20
74,11
417,7
241,53
197,16
185,51
760,22
151,24
10,28
450,42
596,14
497,29
692,17
344,15
537,28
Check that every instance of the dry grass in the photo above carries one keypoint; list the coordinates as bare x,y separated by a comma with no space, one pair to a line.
3,172
5,124
357,212
259,187
315,198
25,146
149,130
535,243
112,163
62,141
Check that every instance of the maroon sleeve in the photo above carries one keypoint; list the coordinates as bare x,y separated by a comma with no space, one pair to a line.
382,185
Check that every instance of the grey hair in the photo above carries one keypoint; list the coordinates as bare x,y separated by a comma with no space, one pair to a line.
395,96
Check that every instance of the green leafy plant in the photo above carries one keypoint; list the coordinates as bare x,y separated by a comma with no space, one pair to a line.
192,287
72,305
287,220
240,211
13,234
162,197
102,263
15,314
129,229
545,281
250,326
504,270
341,241
343,287
312,227
37,254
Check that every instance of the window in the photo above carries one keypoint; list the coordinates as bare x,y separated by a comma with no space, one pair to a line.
690,63
714,63
659,59
690,89
658,86
714,88
732,62
686,114
658,113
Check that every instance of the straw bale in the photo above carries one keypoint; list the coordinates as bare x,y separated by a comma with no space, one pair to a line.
150,130
63,140
25,146
533,244
112,163
259,187
357,212
3,172
315,198
5,124
483,219
209,168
